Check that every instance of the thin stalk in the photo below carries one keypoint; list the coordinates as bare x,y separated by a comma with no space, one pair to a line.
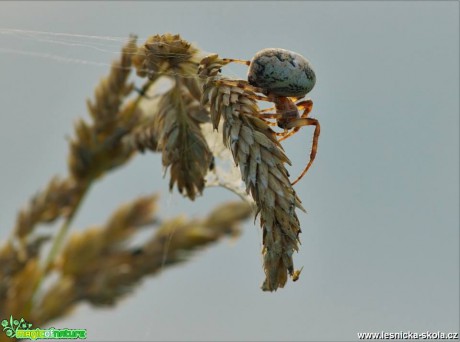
63,230
57,242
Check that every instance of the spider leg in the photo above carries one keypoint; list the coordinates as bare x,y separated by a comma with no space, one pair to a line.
297,124
306,105
284,134
260,97
266,118
271,115
268,110
246,86
239,61
288,134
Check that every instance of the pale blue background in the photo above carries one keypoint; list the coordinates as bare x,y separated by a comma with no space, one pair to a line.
380,242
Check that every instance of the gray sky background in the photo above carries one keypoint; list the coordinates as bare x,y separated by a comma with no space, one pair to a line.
380,242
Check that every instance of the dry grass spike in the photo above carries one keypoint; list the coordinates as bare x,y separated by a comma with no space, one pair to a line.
174,128
261,159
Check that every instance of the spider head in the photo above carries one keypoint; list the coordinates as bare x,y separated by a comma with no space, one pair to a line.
286,107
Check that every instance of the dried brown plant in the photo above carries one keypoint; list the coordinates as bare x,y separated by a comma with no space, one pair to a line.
174,127
99,265
98,146
261,160
57,200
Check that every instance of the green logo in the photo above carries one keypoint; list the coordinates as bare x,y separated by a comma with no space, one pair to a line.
23,329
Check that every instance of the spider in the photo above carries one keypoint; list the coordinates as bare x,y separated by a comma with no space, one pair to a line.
284,77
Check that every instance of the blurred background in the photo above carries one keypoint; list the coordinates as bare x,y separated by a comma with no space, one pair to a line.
380,241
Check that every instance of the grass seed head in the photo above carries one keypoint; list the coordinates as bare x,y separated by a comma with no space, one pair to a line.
97,146
56,200
261,159
174,128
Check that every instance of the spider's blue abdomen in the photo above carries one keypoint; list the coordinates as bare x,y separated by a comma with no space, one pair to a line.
281,72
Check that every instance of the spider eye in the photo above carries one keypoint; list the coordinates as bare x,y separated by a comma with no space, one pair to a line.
281,72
